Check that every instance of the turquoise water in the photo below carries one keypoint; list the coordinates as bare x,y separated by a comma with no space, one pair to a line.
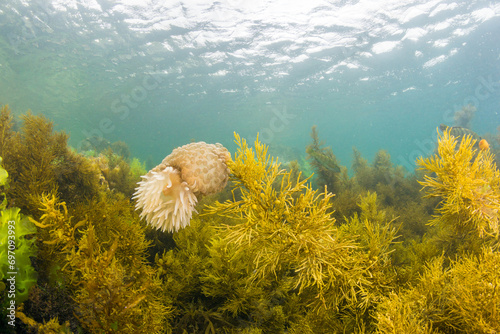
158,74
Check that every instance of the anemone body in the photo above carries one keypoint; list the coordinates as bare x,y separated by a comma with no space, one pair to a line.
169,192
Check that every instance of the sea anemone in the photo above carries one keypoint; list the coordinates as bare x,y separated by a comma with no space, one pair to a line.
169,192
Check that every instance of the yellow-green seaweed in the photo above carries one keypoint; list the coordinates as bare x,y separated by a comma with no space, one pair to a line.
286,231
104,268
463,298
468,183
270,259
39,161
